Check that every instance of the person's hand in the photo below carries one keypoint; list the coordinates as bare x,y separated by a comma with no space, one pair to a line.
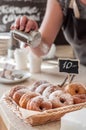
24,24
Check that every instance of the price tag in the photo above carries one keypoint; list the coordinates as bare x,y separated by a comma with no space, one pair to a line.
70,66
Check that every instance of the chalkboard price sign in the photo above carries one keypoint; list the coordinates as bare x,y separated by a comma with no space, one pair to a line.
70,66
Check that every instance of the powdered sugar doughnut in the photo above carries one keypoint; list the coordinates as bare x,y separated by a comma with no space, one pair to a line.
42,87
60,99
79,98
18,94
16,88
56,94
36,84
39,103
26,97
49,90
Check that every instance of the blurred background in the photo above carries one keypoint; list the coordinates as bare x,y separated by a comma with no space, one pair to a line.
11,9
35,9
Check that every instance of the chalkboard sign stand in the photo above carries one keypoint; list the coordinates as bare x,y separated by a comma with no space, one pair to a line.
70,78
69,66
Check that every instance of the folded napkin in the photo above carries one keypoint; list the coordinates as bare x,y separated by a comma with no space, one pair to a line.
75,120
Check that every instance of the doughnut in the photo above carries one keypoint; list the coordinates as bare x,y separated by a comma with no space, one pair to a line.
60,99
55,94
42,87
36,84
16,88
49,90
79,98
39,103
75,88
17,95
26,97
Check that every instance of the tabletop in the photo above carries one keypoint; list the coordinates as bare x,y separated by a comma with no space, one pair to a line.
49,72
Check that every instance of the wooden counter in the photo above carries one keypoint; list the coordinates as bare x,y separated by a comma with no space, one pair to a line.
49,72
2,125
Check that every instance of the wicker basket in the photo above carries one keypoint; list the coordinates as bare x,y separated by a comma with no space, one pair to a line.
42,117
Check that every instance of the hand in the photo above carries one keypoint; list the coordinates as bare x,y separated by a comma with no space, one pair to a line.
25,24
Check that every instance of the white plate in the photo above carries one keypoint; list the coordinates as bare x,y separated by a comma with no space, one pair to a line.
25,74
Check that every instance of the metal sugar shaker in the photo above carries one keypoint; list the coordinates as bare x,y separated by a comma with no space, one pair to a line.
33,38
13,44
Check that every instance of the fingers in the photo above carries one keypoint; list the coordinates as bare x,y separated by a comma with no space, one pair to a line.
35,25
16,24
31,25
25,24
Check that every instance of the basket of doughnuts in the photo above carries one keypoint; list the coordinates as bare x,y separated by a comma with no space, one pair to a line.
43,102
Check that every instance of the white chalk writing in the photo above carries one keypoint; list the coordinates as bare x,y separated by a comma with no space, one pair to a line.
10,13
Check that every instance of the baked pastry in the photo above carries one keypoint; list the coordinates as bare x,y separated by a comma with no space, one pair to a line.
75,88
18,94
43,95
79,98
39,103
27,97
60,99
49,90
16,88
36,84
40,89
